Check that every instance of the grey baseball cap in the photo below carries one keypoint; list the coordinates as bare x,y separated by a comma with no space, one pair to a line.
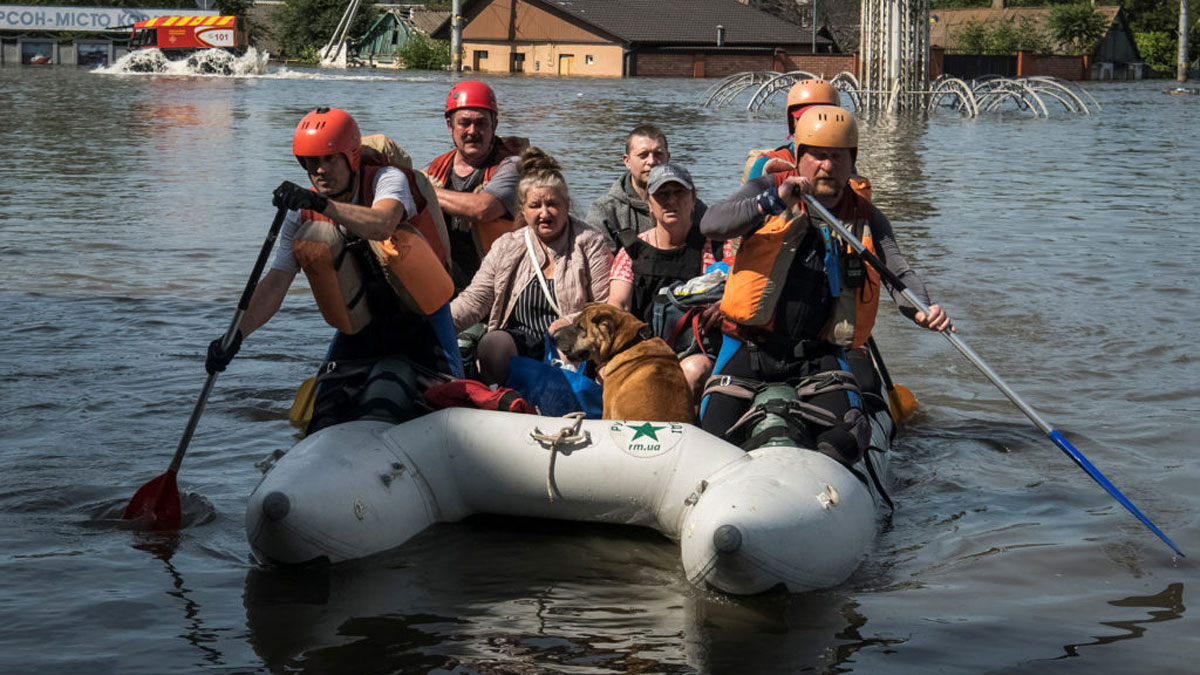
668,173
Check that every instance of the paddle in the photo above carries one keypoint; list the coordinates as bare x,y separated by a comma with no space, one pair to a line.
903,402
1053,434
301,412
157,502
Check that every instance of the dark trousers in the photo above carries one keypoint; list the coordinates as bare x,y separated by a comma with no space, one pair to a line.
347,378
845,441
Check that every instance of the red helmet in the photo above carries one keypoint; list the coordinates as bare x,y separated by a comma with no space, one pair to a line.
471,94
328,131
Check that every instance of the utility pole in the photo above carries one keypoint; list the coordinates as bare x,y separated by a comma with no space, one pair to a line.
1181,67
456,36
814,26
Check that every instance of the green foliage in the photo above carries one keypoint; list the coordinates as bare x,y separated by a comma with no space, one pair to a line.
1157,15
302,24
1079,26
967,4
973,37
1158,49
310,56
1002,36
424,53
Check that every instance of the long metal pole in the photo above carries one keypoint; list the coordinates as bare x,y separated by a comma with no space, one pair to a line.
456,36
1181,67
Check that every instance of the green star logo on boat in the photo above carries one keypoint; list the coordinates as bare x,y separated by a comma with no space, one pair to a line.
645,429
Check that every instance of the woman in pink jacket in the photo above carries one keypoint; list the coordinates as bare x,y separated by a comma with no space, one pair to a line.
544,271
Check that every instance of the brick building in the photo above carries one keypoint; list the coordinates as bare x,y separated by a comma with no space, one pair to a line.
625,38
1115,56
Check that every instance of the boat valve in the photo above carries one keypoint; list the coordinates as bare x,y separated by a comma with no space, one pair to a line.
727,538
276,505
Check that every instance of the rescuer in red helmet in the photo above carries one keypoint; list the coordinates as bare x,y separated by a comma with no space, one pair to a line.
344,233
477,180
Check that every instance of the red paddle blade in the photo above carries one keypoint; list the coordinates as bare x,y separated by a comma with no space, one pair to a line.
157,504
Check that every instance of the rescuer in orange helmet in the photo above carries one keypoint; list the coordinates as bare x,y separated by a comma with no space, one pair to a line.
803,95
828,296
341,232
477,180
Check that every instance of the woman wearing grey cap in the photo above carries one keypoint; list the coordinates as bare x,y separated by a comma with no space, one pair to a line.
671,252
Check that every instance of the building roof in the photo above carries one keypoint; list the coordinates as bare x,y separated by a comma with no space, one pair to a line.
427,20
671,22
945,24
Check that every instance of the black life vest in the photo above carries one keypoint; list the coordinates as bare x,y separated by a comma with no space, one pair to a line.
654,268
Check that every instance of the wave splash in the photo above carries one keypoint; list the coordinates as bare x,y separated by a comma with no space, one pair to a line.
204,62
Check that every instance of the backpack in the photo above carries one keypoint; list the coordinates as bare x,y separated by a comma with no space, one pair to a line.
677,310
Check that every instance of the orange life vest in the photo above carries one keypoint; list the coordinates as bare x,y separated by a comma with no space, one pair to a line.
337,263
762,162
484,233
760,270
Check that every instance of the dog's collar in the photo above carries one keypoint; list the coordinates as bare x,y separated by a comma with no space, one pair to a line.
643,334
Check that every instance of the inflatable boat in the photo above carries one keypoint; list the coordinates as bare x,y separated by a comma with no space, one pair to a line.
746,522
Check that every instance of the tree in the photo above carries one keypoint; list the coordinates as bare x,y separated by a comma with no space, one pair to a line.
309,24
1157,49
423,53
1079,26
1160,49
1002,36
973,37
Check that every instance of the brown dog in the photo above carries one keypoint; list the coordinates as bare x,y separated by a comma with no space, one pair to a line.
642,377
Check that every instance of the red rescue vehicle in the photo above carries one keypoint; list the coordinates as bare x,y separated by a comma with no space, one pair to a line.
180,36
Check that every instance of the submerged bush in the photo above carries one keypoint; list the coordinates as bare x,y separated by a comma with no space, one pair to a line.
424,53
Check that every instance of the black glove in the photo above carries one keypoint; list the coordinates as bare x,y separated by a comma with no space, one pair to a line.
219,358
291,196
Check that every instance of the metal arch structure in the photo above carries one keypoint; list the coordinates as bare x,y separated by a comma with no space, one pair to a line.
893,75
954,93
846,83
1045,83
769,83
780,82
728,89
992,93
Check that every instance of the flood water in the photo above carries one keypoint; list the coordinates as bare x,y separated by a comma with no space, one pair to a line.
1066,250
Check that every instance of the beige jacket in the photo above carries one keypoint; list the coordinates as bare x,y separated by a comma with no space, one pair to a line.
582,262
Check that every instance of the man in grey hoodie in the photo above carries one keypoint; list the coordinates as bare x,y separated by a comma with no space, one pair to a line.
624,206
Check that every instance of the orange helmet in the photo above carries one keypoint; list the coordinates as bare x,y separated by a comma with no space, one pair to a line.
328,131
826,126
809,92
471,94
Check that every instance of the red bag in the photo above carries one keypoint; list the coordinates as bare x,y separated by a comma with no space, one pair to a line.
474,394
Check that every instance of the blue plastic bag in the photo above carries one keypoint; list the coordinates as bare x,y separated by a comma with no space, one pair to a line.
555,391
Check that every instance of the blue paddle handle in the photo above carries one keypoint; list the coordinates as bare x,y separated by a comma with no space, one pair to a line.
1065,445
818,209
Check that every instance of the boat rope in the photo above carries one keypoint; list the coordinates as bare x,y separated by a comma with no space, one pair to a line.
566,436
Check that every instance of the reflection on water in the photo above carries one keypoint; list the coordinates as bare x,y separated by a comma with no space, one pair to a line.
134,206
1169,604
593,597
